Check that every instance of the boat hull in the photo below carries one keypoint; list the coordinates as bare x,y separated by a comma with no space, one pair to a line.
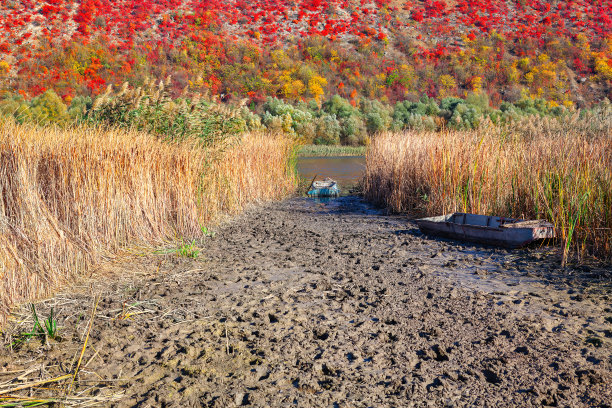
324,192
498,235
325,188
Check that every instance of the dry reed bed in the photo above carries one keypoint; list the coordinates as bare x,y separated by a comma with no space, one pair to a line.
69,198
560,170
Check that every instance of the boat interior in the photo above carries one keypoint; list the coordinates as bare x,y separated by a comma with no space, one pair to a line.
474,219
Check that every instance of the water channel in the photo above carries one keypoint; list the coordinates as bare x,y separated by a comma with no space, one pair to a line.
347,171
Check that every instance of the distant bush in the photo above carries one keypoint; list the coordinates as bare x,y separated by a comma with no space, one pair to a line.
43,109
328,130
151,109
377,116
459,114
335,121
415,115
353,129
14,105
79,107
279,115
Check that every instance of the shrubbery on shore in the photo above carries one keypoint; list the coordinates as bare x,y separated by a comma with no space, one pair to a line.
335,121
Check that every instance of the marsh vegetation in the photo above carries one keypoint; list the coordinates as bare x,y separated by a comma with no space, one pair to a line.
556,169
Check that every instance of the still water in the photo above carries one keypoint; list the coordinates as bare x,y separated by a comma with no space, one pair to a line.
347,171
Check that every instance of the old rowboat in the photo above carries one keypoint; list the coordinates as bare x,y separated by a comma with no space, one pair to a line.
487,229
325,188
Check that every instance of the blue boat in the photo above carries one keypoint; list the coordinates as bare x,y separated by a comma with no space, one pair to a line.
325,188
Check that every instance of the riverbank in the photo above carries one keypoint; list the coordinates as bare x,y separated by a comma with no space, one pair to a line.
313,304
331,151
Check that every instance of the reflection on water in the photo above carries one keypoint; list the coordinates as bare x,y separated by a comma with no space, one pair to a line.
347,171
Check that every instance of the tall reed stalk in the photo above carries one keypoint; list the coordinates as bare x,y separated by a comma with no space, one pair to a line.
560,170
69,198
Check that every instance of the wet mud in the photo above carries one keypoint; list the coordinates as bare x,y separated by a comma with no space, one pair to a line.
332,304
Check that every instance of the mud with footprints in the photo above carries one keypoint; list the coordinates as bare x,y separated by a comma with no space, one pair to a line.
331,305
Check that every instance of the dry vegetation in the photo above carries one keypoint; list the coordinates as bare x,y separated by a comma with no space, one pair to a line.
538,168
70,198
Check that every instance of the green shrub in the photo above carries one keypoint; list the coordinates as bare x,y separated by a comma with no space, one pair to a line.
340,107
44,109
353,129
415,115
151,109
14,105
48,108
79,107
377,116
327,130
279,115
465,117
479,100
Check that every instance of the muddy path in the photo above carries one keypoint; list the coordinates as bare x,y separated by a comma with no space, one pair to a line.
329,305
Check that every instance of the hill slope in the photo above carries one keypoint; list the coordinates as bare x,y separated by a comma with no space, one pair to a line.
308,49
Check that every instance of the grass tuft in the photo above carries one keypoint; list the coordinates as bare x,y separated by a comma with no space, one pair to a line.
188,250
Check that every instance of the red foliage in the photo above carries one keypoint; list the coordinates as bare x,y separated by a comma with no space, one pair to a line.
133,30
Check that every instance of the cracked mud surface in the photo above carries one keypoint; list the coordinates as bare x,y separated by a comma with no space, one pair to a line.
335,305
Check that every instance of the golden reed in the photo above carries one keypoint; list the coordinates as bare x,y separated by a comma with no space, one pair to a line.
68,198
560,170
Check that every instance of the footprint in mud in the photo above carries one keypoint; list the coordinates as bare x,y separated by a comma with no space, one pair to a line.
361,315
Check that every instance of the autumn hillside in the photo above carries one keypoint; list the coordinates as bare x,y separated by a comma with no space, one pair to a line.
308,50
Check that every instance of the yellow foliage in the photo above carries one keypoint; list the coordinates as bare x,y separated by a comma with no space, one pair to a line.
583,42
476,84
4,68
197,83
76,66
447,81
549,75
334,56
280,58
406,75
608,42
380,79
447,85
603,66
525,93
513,74
315,86
293,89
523,63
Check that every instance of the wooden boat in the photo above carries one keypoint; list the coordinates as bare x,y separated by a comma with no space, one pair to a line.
325,188
487,229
